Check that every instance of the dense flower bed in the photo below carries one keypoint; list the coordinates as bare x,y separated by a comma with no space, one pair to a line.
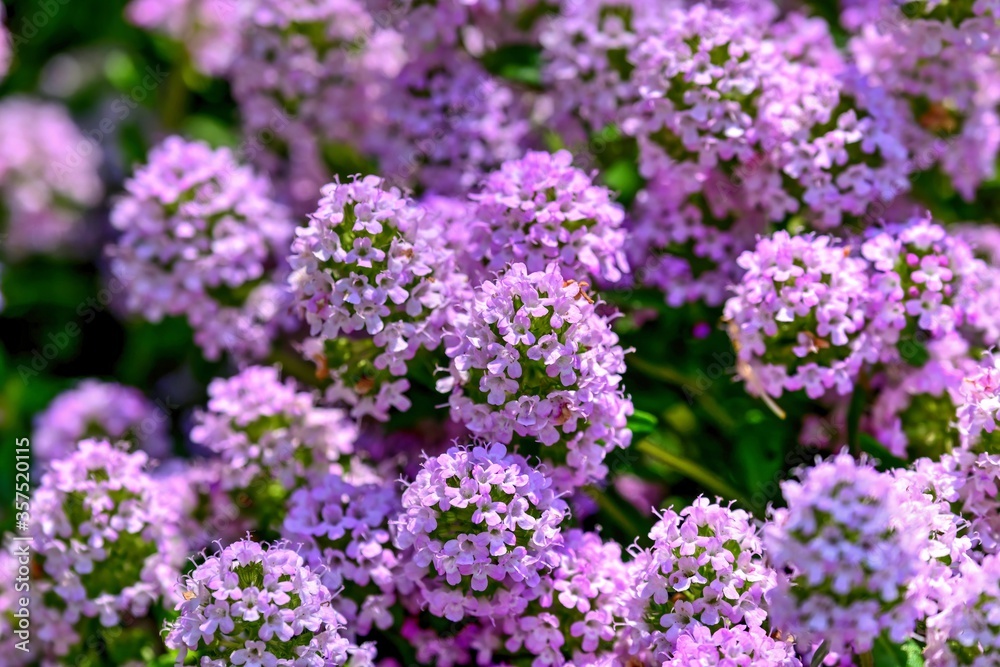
513,333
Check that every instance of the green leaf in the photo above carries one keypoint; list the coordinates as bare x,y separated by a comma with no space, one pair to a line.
887,654
641,423
821,652
520,63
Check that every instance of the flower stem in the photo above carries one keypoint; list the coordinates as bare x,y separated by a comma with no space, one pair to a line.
692,470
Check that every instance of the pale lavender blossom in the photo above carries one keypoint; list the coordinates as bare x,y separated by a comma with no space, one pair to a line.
483,527
257,605
201,237
95,409
534,363
48,178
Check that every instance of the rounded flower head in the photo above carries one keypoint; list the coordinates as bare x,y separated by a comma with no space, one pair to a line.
780,117
106,534
925,277
541,209
307,80
583,57
966,632
95,409
705,569
571,617
533,362
344,532
936,62
369,266
271,437
200,237
48,176
979,406
485,524
257,606
846,553
798,316
738,645
208,28
970,484
449,122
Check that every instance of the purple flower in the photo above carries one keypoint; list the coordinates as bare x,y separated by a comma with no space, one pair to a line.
308,79
560,387
752,647
370,265
464,563
272,437
851,550
344,531
106,533
798,317
290,607
936,63
925,272
965,631
448,123
540,209
48,176
96,409
200,237
705,570
572,615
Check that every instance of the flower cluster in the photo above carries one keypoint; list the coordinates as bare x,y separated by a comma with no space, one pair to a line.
924,274
299,65
539,210
810,313
255,605
368,265
970,484
95,409
344,531
705,569
798,316
201,237
536,363
937,62
846,557
486,526
48,175
571,618
271,436
106,536
965,632
584,63
449,122
739,645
